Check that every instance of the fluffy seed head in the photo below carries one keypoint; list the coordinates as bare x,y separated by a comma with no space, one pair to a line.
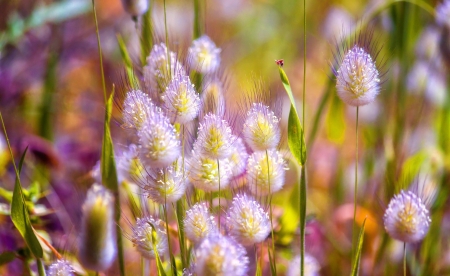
205,55
204,172
238,158
157,72
165,185
261,129
265,172
180,100
135,7
214,138
219,255
149,233
60,268
97,246
407,218
247,221
311,266
160,145
199,223
358,80
137,107
443,14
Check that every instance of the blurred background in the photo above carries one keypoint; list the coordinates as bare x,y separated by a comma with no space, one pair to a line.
51,101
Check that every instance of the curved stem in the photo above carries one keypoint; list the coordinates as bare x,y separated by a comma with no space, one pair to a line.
356,184
404,259
218,172
270,215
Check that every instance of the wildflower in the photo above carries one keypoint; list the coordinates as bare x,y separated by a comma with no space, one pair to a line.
199,223
135,7
358,80
204,55
97,247
247,221
160,145
407,218
214,138
213,100
206,173
158,73
265,172
220,255
261,129
137,107
443,14
180,100
149,233
165,185
311,266
238,158
60,268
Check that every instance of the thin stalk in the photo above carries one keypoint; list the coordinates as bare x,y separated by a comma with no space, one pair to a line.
40,265
404,259
218,171
270,215
303,179
196,27
100,55
172,263
356,184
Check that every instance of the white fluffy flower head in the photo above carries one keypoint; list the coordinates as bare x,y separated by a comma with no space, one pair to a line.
407,218
137,107
159,141
265,172
180,100
238,158
165,185
358,79
312,266
204,55
60,268
149,233
261,129
199,223
247,221
215,139
205,173
219,255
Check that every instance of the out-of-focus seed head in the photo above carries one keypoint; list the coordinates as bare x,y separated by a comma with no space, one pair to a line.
97,246
215,139
357,79
265,172
443,14
199,223
150,233
312,266
137,107
180,100
157,72
135,7
165,185
407,218
205,173
60,268
261,130
159,142
204,55
213,100
247,221
238,158
219,255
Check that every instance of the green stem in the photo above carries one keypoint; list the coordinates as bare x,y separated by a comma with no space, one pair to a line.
272,261
167,40
197,25
218,172
303,176
404,259
100,55
355,198
40,265
172,261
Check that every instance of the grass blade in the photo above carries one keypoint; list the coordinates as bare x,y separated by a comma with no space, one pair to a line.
356,263
128,62
296,136
146,34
